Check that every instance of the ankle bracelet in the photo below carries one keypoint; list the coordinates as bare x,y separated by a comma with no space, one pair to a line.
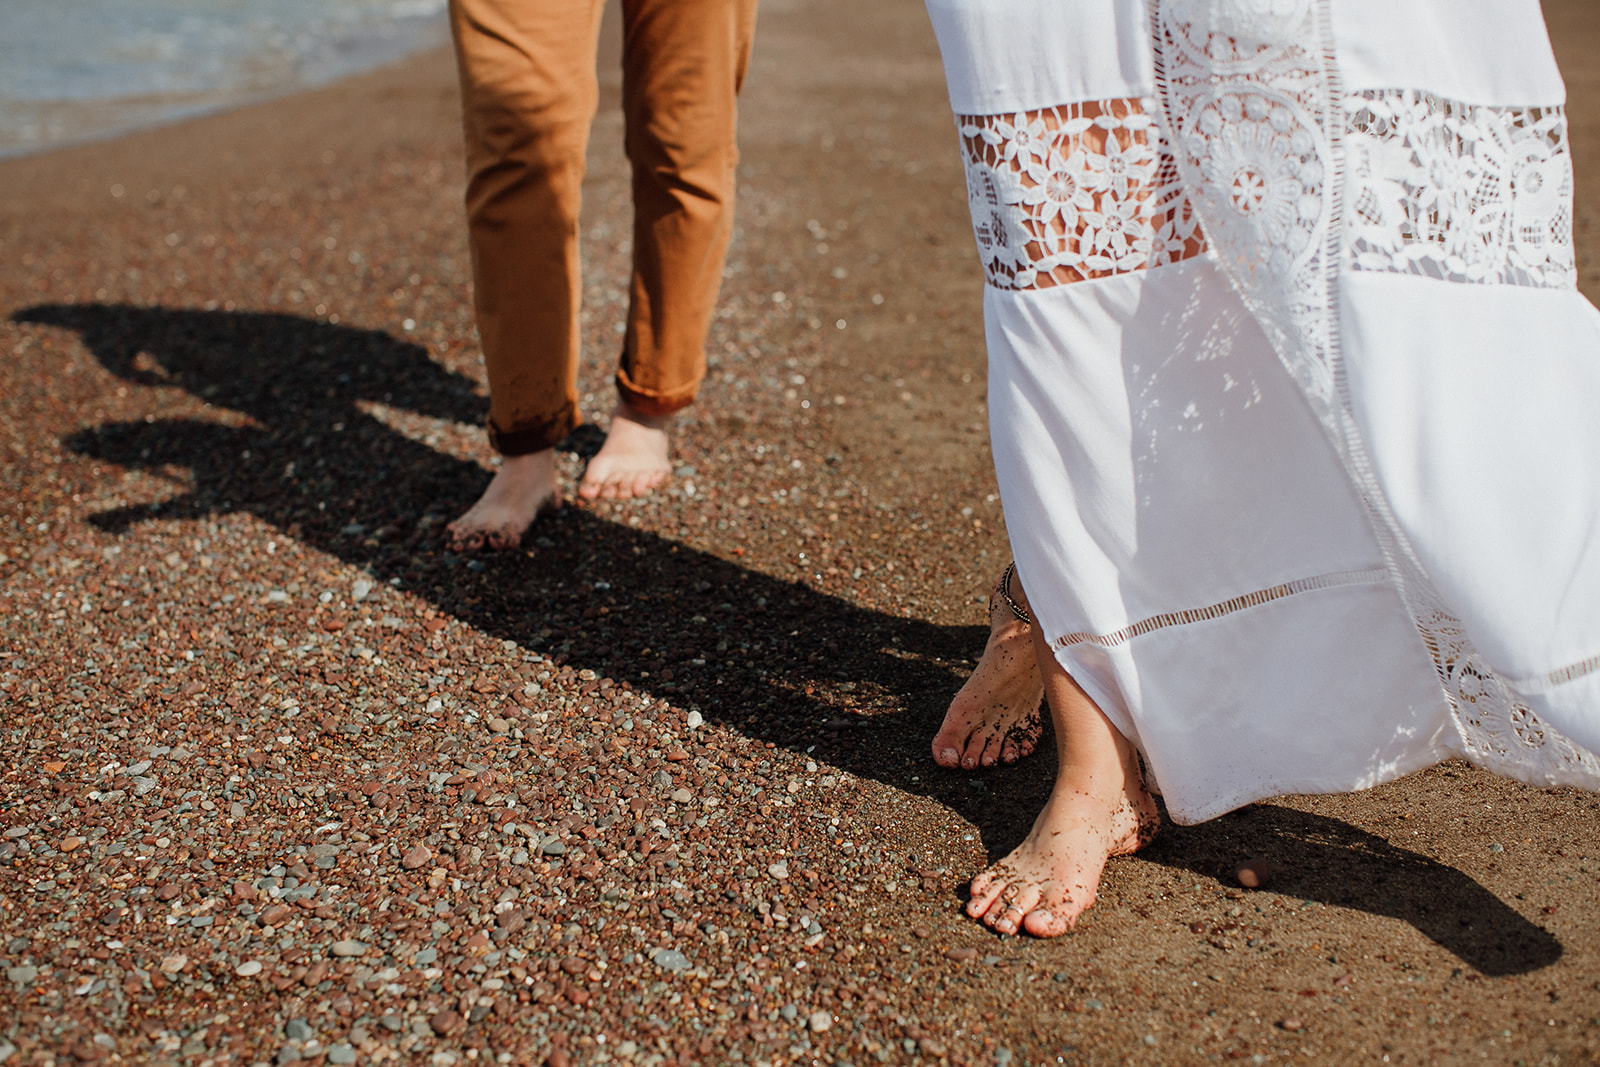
1005,594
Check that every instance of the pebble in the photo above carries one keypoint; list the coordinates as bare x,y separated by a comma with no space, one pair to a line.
553,847
349,948
138,768
499,725
7,1050
820,1022
71,844
416,858
248,969
22,975
1291,1024
1253,873
341,1053
670,959
789,1012
780,871
175,963
297,1030
446,1022
961,955
681,796
695,720
425,957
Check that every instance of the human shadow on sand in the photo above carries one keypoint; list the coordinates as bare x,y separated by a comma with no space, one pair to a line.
776,660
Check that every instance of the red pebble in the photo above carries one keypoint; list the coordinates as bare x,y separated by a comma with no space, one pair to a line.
1253,873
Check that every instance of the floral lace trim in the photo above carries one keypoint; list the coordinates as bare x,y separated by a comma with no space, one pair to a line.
1459,192
1074,192
1251,93
1438,188
1339,580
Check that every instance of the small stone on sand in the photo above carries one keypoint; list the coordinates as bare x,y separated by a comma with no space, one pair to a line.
1253,873
248,969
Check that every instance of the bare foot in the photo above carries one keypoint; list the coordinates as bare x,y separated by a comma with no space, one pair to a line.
1099,808
632,462
995,718
523,487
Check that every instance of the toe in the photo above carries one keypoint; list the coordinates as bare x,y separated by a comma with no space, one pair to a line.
986,889
945,755
1044,922
976,754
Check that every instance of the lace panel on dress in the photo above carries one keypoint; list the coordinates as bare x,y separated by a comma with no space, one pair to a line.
1449,190
1073,192
1459,192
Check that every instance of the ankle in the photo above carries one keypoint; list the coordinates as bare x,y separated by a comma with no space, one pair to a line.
629,413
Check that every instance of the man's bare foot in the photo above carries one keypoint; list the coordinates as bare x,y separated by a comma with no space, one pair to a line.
633,461
1099,808
995,718
523,487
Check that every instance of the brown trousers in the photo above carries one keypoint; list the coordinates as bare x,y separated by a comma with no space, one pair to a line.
529,93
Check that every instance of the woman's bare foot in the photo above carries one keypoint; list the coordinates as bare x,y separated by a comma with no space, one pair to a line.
523,487
995,717
1099,808
633,461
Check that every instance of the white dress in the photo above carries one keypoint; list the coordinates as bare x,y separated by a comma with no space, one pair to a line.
1294,402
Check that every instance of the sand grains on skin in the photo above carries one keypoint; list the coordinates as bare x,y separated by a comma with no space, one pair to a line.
521,490
995,718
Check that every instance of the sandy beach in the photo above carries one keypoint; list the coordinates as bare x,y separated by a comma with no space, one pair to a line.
286,781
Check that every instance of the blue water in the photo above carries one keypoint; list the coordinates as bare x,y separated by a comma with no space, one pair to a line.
74,70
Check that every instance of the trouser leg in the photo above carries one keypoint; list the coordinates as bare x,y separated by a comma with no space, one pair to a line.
529,94
684,62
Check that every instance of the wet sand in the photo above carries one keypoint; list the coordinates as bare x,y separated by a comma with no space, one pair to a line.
286,779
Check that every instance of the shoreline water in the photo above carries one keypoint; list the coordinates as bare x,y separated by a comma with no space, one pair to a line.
66,81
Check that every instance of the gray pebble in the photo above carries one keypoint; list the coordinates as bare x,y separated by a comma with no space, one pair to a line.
324,849
287,1054
297,1030
779,870
138,768
326,863
141,786
7,1050
341,1053
22,975
519,857
789,1012
17,945
663,779
553,848
1093,1005
425,957
349,948
670,959
681,796
391,1023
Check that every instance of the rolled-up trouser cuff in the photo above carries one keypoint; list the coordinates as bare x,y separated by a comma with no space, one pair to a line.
655,402
534,437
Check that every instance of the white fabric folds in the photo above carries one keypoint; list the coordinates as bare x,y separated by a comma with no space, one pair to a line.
1291,389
